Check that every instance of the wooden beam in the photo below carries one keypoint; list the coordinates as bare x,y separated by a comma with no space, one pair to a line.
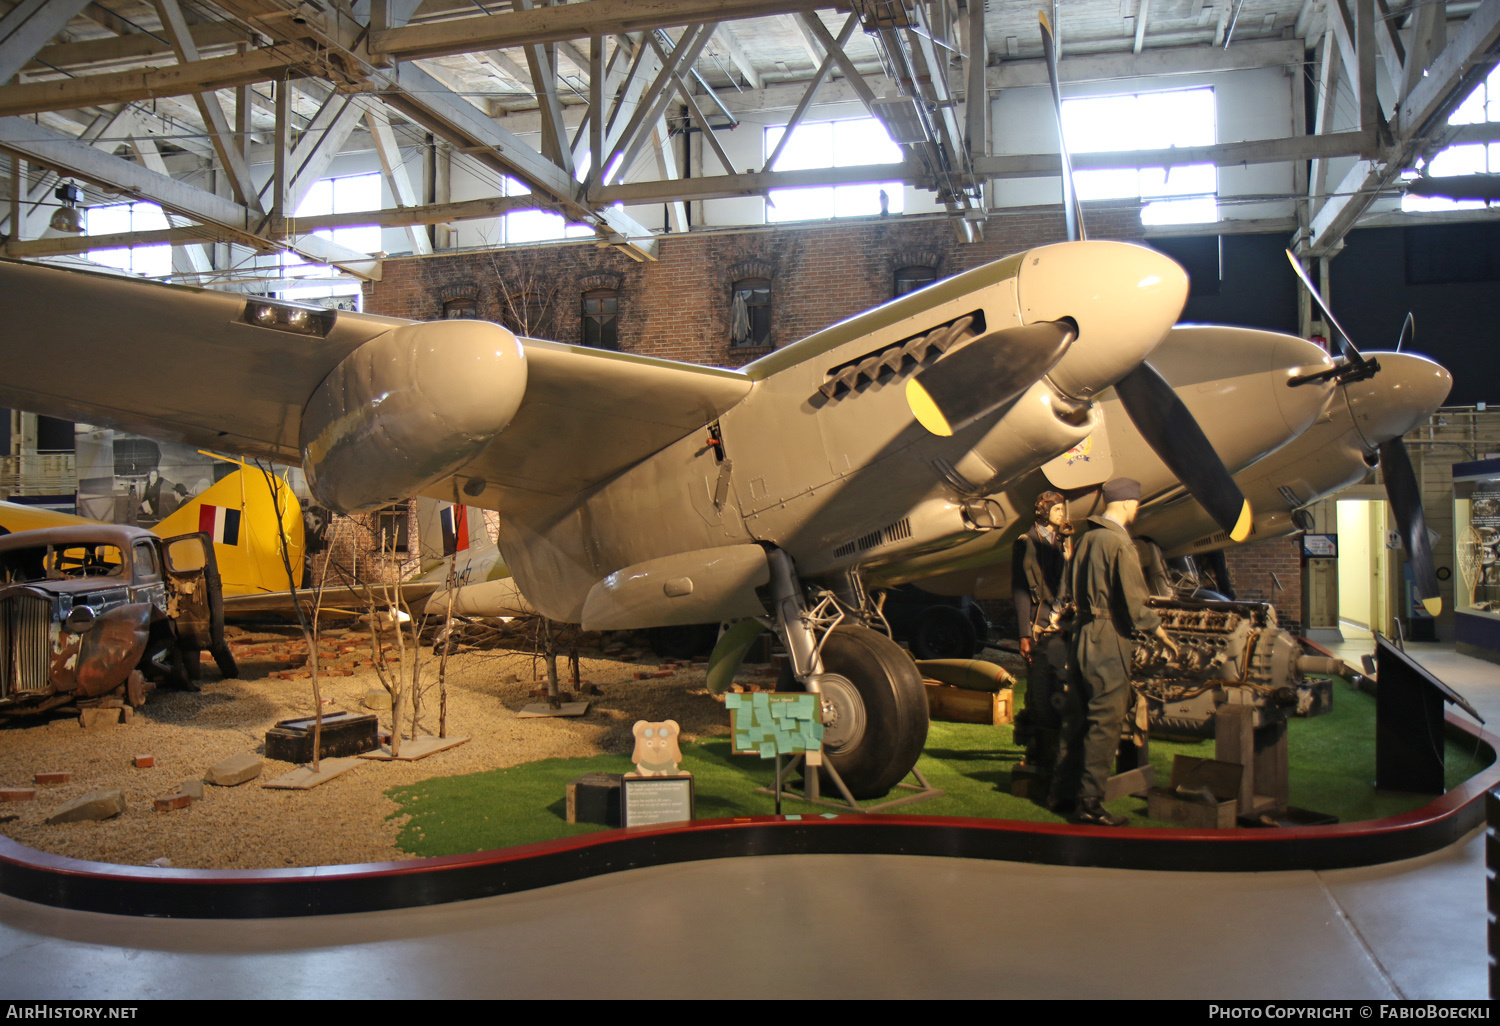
389,153
211,36
568,21
26,28
145,84
1153,63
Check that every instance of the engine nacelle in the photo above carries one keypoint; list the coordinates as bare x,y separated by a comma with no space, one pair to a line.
408,408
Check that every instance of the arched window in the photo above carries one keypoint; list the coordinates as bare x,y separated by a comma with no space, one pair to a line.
750,313
911,278
527,313
601,311
460,309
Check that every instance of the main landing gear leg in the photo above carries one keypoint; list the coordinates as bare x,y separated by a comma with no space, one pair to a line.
873,705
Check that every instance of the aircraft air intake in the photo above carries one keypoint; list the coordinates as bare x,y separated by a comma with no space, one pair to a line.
408,408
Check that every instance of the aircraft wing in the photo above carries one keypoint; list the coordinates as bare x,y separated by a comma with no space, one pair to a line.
192,365
343,599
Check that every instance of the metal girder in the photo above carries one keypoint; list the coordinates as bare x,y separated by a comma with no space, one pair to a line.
1457,70
389,152
569,21
214,120
28,26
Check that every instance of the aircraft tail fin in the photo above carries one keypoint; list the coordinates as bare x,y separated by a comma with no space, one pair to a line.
445,529
239,513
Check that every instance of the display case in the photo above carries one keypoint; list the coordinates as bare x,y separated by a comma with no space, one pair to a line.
1476,587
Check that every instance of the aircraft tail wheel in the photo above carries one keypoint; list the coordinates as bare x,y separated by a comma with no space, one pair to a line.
944,632
875,710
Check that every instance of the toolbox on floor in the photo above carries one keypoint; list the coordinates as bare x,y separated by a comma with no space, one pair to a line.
343,734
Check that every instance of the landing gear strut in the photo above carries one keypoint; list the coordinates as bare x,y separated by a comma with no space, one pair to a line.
873,703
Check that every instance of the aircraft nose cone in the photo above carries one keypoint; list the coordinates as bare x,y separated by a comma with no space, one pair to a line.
1123,298
1404,393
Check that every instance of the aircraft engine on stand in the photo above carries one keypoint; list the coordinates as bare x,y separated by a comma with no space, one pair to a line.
1228,652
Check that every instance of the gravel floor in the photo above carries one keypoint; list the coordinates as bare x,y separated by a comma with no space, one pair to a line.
342,821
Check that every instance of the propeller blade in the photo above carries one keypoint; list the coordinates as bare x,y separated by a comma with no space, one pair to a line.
1345,342
1072,212
1406,503
1169,428
1408,329
982,376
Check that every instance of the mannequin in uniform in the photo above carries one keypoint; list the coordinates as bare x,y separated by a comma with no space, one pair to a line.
1037,565
1109,591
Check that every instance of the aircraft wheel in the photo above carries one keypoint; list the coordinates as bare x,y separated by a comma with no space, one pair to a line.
875,711
944,632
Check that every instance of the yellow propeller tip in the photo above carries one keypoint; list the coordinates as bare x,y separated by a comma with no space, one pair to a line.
1243,525
926,411
1042,17
1434,606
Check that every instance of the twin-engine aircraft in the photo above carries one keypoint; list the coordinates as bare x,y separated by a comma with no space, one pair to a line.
636,492
905,443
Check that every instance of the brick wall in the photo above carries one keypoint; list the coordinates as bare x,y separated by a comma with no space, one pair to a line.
1251,569
678,307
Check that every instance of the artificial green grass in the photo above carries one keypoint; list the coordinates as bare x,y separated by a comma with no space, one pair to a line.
1332,761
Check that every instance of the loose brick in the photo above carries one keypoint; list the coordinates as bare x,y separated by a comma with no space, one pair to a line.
145,761
53,777
17,794
171,801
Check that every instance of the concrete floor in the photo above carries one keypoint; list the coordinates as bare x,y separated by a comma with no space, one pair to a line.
828,926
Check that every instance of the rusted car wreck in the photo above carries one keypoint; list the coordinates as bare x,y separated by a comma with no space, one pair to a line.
91,611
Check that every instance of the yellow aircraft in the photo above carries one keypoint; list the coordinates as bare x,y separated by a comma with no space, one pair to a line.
239,513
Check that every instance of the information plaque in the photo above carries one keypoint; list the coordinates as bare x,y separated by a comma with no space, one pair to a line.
667,799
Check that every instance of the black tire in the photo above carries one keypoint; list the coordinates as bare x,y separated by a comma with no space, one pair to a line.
881,721
943,632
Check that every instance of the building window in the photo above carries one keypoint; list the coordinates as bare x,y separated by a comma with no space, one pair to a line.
750,313
1181,194
527,313
391,528
601,311
909,279
460,310
126,218
1481,107
833,144
522,226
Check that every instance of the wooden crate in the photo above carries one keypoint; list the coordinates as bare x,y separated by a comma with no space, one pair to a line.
961,705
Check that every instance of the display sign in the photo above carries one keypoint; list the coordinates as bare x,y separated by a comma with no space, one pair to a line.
1320,546
1484,509
666,799
772,723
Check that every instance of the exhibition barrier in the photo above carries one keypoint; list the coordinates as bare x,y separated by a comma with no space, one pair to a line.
327,890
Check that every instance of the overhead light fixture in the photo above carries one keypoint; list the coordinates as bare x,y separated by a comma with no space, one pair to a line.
68,218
